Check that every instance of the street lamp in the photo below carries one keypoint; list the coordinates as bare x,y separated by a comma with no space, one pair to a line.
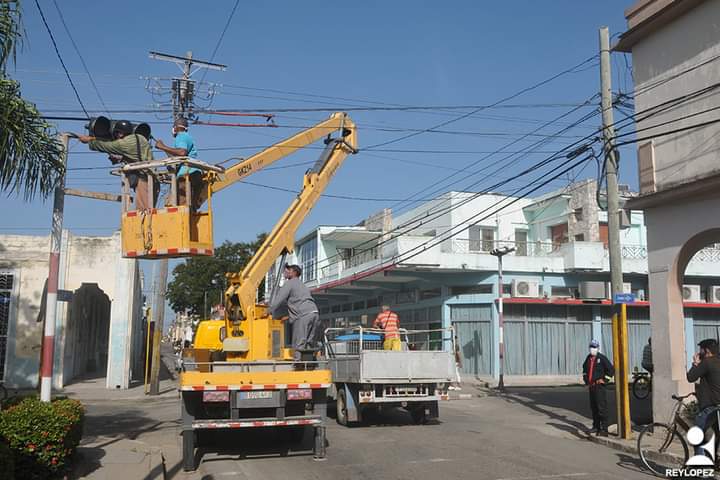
500,253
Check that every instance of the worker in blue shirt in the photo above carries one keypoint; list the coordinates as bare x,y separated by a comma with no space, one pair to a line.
184,146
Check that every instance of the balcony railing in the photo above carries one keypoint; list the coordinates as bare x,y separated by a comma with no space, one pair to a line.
640,252
336,265
522,249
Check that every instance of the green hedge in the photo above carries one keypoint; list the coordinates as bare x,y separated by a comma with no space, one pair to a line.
42,435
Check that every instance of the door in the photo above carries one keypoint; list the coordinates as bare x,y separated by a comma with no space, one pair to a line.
7,281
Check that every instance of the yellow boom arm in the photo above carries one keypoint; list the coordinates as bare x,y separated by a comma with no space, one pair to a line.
281,150
244,331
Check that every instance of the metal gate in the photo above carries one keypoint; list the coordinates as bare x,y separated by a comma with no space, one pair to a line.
473,329
7,280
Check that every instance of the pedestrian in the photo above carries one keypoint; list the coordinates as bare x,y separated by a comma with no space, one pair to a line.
128,147
388,321
458,365
184,146
595,368
647,361
188,336
705,371
304,317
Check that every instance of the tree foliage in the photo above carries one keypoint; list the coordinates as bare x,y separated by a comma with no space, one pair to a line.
30,155
198,275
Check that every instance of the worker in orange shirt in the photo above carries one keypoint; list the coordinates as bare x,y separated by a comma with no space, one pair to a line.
388,321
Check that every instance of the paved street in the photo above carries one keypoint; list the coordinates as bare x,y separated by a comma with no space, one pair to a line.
487,437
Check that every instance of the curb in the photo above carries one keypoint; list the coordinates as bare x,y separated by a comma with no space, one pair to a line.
620,445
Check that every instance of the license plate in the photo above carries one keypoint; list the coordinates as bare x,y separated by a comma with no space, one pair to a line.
216,396
254,395
299,394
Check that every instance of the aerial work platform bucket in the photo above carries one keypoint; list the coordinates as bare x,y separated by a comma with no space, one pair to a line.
175,230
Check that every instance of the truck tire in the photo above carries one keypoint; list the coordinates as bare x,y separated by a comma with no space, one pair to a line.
189,440
341,415
419,416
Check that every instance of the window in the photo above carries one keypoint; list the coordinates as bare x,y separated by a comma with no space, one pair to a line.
336,308
567,292
307,258
521,247
604,233
372,302
6,287
559,234
578,213
470,289
579,237
432,293
347,307
359,305
482,239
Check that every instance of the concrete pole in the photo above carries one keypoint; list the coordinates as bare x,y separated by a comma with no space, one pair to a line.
501,325
48,344
159,311
613,211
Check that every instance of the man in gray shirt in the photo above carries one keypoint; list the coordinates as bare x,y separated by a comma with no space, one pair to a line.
304,317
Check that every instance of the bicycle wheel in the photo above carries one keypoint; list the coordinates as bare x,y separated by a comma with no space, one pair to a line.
661,447
641,388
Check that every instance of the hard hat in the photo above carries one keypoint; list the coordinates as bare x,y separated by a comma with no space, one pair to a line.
122,126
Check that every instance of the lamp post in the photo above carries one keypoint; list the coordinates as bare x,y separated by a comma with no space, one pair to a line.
500,252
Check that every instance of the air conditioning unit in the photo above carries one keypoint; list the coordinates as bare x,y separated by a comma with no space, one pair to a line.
714,294
691,293
627,288
525,288
591,290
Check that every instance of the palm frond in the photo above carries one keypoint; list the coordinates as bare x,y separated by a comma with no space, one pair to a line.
30,154
10,31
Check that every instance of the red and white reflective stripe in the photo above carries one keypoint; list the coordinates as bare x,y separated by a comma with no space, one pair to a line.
267,386
170,251
256,423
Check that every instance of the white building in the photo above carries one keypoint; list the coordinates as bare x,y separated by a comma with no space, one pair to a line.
99,329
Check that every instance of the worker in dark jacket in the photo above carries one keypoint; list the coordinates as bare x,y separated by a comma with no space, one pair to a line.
706,371
595,368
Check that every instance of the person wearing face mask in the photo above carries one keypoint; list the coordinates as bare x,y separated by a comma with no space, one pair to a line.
706,371
184,146
595,368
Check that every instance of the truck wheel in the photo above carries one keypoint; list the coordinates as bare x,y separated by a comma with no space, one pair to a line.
419,416
341,415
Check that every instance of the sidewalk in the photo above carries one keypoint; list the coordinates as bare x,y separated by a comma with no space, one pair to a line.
126,432
566,409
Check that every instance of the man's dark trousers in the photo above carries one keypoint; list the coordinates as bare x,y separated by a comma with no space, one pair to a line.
598,405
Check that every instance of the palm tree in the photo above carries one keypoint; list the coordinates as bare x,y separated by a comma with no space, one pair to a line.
30,155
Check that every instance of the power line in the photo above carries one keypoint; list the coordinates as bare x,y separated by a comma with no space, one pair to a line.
57,52
222,35
77,50
503,100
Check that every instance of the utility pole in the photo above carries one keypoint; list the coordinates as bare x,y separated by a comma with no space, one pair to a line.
500,252
183,94
48,343
620,344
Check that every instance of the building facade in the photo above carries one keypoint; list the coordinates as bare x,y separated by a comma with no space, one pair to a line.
675,47
436,272
99,329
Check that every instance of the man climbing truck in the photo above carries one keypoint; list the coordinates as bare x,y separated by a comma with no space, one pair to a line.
242,374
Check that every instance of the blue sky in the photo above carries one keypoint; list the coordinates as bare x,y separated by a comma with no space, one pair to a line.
373,52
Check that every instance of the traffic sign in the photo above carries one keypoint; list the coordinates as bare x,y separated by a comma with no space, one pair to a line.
624,298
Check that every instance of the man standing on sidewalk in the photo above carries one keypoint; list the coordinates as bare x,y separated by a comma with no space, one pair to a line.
595,368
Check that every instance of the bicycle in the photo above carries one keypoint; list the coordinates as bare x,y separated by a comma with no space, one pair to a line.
642,384
662,446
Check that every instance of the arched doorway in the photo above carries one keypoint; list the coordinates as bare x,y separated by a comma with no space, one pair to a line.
87,336
676,232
